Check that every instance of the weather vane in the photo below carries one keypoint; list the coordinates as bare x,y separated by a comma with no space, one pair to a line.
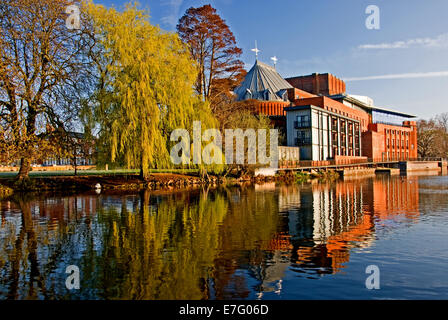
256,50
274,58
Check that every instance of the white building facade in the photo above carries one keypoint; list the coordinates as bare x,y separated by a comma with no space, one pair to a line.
321,134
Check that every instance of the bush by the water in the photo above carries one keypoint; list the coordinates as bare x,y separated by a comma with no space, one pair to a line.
325,175
302,177
5,192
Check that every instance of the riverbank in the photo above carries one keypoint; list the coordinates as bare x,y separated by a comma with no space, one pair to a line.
119,182
102,182
156,181
136,230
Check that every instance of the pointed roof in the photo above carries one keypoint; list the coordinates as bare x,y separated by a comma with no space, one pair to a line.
263,82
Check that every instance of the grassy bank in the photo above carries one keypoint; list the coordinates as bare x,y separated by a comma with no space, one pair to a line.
81,173
130,180
125,181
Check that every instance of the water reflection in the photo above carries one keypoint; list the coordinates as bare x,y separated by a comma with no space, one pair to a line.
230,243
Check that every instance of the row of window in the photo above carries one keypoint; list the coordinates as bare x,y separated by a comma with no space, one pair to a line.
345,114
65,162
305,122
398,132
395,156
398,143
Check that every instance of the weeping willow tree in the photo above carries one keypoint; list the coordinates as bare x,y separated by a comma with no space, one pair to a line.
155,252
145,87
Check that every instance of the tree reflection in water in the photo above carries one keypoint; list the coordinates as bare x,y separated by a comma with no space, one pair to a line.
203,244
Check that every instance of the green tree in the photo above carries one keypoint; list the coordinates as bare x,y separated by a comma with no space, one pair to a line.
243,118
146,79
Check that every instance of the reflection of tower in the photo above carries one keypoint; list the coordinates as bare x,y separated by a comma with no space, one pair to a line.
395,195
322,214
64,209
271,274
329,223
288,197
334,219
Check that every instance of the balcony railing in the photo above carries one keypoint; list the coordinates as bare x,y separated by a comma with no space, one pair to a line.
303,141
302,124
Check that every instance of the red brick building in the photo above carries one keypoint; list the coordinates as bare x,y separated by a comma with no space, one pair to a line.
318,116
384,141
319,84
380,140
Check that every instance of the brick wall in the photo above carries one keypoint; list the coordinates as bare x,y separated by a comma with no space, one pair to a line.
397,142
372,145
296,94
320,84
270,108
337,107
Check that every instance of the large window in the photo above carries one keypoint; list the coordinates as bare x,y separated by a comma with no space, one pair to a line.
303,137
334,123
303,122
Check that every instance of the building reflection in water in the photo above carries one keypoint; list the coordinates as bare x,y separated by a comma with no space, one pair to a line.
202,244
326,221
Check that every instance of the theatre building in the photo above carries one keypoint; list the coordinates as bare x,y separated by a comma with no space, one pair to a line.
318,116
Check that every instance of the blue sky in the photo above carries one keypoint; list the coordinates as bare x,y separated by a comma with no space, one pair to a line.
407,56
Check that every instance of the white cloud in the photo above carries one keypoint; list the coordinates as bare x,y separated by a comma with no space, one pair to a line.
172,18
401,76
439,41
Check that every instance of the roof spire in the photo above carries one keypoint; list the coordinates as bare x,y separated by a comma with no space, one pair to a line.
256,50
274,58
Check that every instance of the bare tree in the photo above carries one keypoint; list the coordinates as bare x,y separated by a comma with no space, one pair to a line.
43,74
426,133
433,136
442,121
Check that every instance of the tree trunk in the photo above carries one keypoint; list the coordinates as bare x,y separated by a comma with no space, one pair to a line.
25,168
75,166
142,175
32,247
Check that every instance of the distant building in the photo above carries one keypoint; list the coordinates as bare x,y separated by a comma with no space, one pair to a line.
317,115
263,83
82,152
267,91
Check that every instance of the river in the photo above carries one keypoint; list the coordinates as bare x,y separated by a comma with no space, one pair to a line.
310,241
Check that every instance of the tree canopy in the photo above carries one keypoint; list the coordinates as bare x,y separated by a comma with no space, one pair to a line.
43,74
433,136
213,46
145,89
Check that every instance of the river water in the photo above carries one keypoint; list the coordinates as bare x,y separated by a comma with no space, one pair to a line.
311,241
